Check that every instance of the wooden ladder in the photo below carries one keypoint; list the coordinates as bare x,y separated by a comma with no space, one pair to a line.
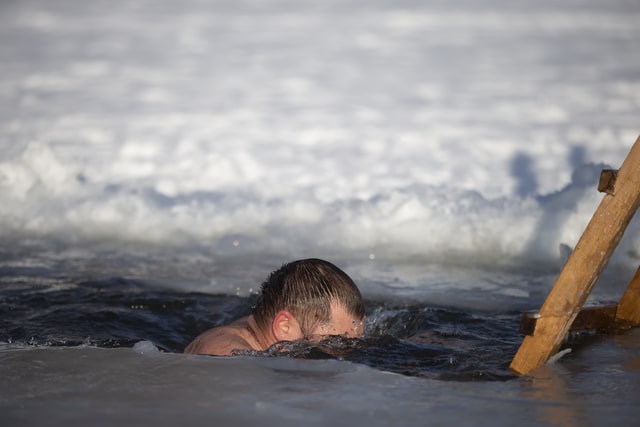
550,325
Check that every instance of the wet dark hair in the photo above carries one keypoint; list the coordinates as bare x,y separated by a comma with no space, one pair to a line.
306,288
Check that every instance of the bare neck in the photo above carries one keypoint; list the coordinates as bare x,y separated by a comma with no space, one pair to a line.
262,340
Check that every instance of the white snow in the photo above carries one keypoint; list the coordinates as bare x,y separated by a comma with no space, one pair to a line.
434,131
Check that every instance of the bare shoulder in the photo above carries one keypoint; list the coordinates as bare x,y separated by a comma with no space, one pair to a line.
221,341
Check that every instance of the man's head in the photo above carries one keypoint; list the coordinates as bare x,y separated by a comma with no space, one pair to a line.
309,297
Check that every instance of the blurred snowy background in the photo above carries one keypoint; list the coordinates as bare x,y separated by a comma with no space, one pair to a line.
466,133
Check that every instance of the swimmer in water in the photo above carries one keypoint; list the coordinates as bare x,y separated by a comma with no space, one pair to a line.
307,299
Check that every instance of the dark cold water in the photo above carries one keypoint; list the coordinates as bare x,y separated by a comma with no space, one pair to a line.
77,349
410,339
404,337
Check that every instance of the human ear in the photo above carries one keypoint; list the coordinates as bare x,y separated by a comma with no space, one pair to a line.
285,327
